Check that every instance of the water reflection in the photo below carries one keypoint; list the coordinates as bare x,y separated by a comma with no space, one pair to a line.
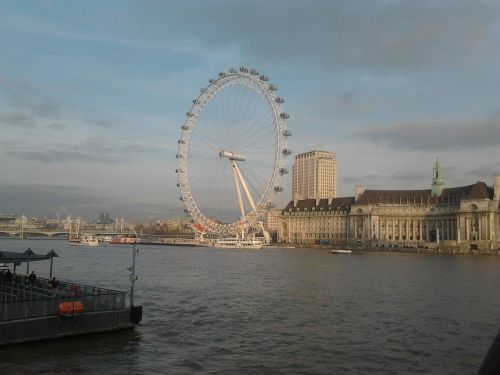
277,310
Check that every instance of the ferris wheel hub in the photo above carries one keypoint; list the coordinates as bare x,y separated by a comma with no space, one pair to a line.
232,156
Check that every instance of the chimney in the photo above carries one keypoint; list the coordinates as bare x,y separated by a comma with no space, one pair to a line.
496,187
358,190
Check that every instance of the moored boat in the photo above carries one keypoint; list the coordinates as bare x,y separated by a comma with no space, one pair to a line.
84,240
235,243
123,240
340,251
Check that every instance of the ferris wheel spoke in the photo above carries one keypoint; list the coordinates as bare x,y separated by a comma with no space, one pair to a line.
255,177
258,136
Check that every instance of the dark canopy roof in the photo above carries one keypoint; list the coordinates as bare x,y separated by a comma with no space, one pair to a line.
13,257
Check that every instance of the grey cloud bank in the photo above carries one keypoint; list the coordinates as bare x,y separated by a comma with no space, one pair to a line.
388,35
436,135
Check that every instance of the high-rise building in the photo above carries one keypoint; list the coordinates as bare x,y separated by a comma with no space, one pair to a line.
314,175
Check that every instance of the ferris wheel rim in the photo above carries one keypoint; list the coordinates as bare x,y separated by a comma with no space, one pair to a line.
250,79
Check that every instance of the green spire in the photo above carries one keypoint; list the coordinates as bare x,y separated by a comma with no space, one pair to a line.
437,179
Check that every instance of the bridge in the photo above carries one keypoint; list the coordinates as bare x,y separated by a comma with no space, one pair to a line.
34,232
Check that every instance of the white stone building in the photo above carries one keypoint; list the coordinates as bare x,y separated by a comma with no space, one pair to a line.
461,218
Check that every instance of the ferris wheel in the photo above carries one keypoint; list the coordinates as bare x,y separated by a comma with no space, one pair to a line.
232,153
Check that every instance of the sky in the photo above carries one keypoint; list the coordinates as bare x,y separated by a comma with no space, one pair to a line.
93,93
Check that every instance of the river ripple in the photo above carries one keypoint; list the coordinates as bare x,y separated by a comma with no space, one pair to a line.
276,311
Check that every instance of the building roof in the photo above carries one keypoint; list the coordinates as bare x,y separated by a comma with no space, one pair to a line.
344,203
28,255
454,195
315,151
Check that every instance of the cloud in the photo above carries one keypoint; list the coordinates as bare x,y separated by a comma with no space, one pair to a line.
53,156
396,179
46,199
93,150
25,95
17,120
401,35
28,104
345,99
49,200
486,170
437,135
55,126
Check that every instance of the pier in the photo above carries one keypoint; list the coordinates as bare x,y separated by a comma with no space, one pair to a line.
48,308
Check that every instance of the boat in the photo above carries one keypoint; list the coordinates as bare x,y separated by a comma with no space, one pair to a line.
79,239
123,240
104,238
338,251
236,243
84,240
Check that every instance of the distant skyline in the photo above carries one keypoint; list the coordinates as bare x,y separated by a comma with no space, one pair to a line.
93,94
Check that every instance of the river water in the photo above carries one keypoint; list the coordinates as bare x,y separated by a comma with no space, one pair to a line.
275,311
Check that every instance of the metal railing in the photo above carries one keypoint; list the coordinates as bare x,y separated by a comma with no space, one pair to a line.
20,299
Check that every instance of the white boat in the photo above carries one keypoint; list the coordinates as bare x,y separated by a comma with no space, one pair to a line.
85,240
104,238
89,240
235,243
335,251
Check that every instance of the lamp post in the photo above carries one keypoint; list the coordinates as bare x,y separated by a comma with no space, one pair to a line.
132,276
29,253
52,254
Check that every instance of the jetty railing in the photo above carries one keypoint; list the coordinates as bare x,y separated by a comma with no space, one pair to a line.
20,299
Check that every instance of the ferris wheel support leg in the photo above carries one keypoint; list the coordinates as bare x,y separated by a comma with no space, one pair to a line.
238,190
266,234
245,188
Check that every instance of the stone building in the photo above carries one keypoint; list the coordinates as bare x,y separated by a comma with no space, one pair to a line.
314,175
460,218
316,221
272,220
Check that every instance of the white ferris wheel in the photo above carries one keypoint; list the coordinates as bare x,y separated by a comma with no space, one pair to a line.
232,153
